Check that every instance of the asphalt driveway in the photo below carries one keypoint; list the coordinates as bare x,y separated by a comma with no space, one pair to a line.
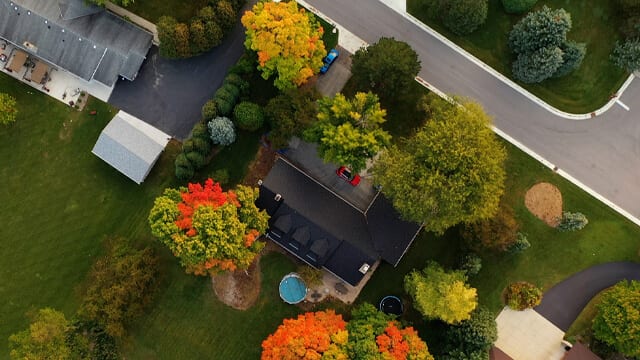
563,303
169,94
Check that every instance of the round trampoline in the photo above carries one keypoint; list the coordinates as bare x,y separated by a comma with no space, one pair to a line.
292,289
391,305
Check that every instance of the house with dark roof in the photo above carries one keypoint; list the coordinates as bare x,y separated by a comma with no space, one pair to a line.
325,231
82,39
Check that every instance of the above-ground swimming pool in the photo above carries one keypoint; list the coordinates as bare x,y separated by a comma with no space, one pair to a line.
391,305
292,289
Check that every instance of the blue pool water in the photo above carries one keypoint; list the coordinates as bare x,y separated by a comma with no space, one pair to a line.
292,289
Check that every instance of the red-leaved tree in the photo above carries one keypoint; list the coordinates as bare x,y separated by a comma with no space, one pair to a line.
208,229
402,344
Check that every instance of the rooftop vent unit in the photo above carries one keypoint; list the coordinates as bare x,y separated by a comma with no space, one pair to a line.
364,268
30,46
277,197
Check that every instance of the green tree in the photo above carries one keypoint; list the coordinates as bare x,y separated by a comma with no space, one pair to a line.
540,41
471,339
120,285
288,41
225,15
451,171
463,16
45,339
572,55
387,68
438,294
540,29
207,229
348,131
617,321
627,55
117,2
8,109
166,33
538,65
373,335
290,113
518,6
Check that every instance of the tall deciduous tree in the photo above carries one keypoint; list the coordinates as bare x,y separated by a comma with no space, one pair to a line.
46,338
120,285
472,339
438,294
290,113
617,322
287,40
8,109
387,67
450,172
207,229
348,131
307,337
374,335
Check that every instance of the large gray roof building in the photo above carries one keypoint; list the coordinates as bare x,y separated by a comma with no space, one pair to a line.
130,145
85,40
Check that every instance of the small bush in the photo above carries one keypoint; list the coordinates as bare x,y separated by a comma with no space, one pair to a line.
225,107
464,16
471,264
222,131
200,131
497,233
521,244
518,6
228,92
185,172
572,56
627,55
209,110
196,159
238,82
311,276
201,145
246,65
221,176
187,146
248,116
572,221
522,295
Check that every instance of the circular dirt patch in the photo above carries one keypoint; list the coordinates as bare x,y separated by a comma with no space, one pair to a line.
545,202
239,289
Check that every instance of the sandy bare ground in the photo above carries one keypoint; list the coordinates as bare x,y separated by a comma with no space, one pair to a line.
239,289
544,200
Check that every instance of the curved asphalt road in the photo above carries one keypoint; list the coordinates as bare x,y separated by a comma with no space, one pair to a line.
563,303
603,153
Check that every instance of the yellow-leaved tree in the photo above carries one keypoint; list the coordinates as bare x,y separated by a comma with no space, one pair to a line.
287,40
439,294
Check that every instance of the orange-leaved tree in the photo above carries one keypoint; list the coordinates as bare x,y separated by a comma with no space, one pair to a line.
287,40
308,337
402,344
208,229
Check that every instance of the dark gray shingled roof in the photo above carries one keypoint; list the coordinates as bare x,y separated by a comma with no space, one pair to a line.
88,41
351,238
130,145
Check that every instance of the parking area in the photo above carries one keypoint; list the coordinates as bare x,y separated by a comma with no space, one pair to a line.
305,156
339,73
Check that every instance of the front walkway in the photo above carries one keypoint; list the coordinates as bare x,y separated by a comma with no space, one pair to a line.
527,335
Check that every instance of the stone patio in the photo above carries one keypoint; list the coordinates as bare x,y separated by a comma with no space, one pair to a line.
338,289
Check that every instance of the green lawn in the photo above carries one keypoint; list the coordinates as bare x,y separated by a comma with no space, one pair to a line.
59,201
581,327
594,22
553,255
152,10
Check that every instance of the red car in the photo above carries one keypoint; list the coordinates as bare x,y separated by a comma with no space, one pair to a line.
346,174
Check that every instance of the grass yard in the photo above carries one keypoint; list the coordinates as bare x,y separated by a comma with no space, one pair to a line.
59,202
594,22
553,255
152,10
